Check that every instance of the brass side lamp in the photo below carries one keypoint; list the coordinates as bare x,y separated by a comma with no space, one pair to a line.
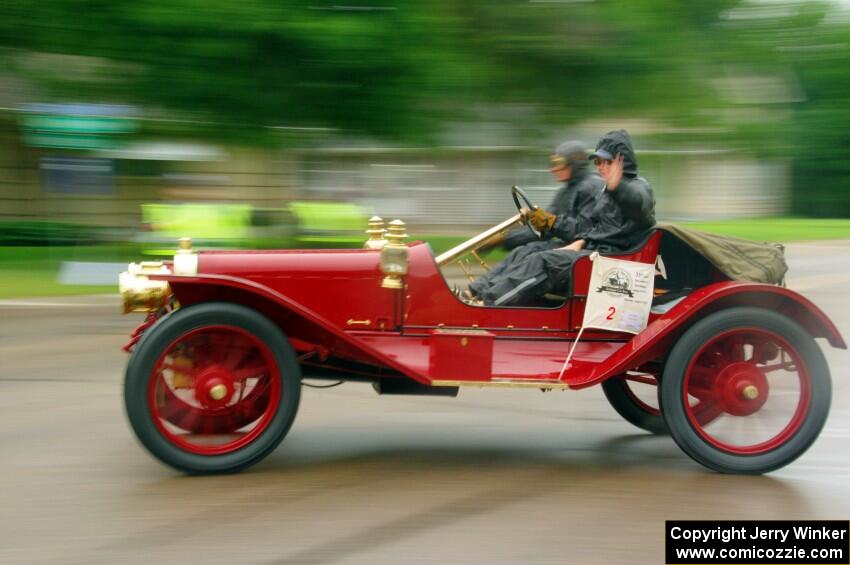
394,256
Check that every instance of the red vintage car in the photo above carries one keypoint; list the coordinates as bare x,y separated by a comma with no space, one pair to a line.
214,378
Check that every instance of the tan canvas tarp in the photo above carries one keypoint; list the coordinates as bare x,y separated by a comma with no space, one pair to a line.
739,259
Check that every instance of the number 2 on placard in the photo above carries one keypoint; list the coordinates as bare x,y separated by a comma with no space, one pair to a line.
611,312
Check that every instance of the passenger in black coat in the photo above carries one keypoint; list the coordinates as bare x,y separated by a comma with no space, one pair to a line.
620,217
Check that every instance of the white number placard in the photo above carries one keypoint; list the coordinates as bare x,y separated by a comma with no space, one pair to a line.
620,295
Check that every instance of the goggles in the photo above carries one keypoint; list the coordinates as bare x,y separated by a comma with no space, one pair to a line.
557,162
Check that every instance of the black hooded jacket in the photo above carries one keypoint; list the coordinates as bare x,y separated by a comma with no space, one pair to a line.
572,205
620,218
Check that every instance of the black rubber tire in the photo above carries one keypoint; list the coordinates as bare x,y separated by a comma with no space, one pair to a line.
616,392
672,382
156,339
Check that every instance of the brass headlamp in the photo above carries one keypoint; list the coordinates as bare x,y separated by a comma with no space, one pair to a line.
138,292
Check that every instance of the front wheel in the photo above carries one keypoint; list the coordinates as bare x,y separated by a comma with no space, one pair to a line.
745,390
212,388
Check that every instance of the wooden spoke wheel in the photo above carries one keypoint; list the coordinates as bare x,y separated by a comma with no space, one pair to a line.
745,390
212,388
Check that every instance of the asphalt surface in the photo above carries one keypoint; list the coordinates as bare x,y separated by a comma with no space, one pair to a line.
493,476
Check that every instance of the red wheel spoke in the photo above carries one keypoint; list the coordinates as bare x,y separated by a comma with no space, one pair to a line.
706,412
236,352
703,374
217,350
234,358
226,423
788,366
191,371
190,420
758,349
254,409
201,354
715,357
248,372
213,347
735,349
701,392
207,425
174,409
259,389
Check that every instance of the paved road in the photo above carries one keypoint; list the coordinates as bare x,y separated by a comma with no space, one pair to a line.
493,476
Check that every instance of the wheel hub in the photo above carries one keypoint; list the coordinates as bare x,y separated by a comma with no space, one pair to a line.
214,387
741,388
219,391
750,392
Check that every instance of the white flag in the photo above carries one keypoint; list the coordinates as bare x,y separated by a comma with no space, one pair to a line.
620,295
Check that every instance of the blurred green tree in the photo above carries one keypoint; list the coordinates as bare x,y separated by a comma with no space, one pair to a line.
242,66
803,114
396,69
770,78
820,137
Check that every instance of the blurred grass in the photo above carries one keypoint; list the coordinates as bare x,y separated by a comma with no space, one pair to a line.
32,271
775,230
778,230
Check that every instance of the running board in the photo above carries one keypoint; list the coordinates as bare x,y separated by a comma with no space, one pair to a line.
506,383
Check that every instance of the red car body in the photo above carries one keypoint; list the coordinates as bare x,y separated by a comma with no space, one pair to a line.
342,324
330,304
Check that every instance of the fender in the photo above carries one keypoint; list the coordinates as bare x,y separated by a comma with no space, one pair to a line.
198,288
658,337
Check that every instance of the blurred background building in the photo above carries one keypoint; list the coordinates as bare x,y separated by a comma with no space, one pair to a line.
425,111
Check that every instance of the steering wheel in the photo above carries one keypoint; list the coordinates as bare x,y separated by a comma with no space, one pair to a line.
519,194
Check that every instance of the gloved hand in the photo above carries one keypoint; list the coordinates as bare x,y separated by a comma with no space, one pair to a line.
540,219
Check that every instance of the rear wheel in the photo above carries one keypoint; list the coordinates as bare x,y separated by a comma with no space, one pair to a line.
745,390
635,398
212,388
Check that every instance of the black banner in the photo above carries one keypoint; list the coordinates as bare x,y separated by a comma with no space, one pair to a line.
812,542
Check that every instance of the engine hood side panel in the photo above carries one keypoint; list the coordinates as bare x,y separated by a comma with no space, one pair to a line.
296,319
341,286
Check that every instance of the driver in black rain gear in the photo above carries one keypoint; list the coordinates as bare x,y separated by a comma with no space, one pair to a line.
568,213
569,165
619,219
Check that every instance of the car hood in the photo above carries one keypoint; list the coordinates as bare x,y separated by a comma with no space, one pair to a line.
251,264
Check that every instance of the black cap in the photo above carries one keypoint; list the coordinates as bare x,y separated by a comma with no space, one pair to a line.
601,154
